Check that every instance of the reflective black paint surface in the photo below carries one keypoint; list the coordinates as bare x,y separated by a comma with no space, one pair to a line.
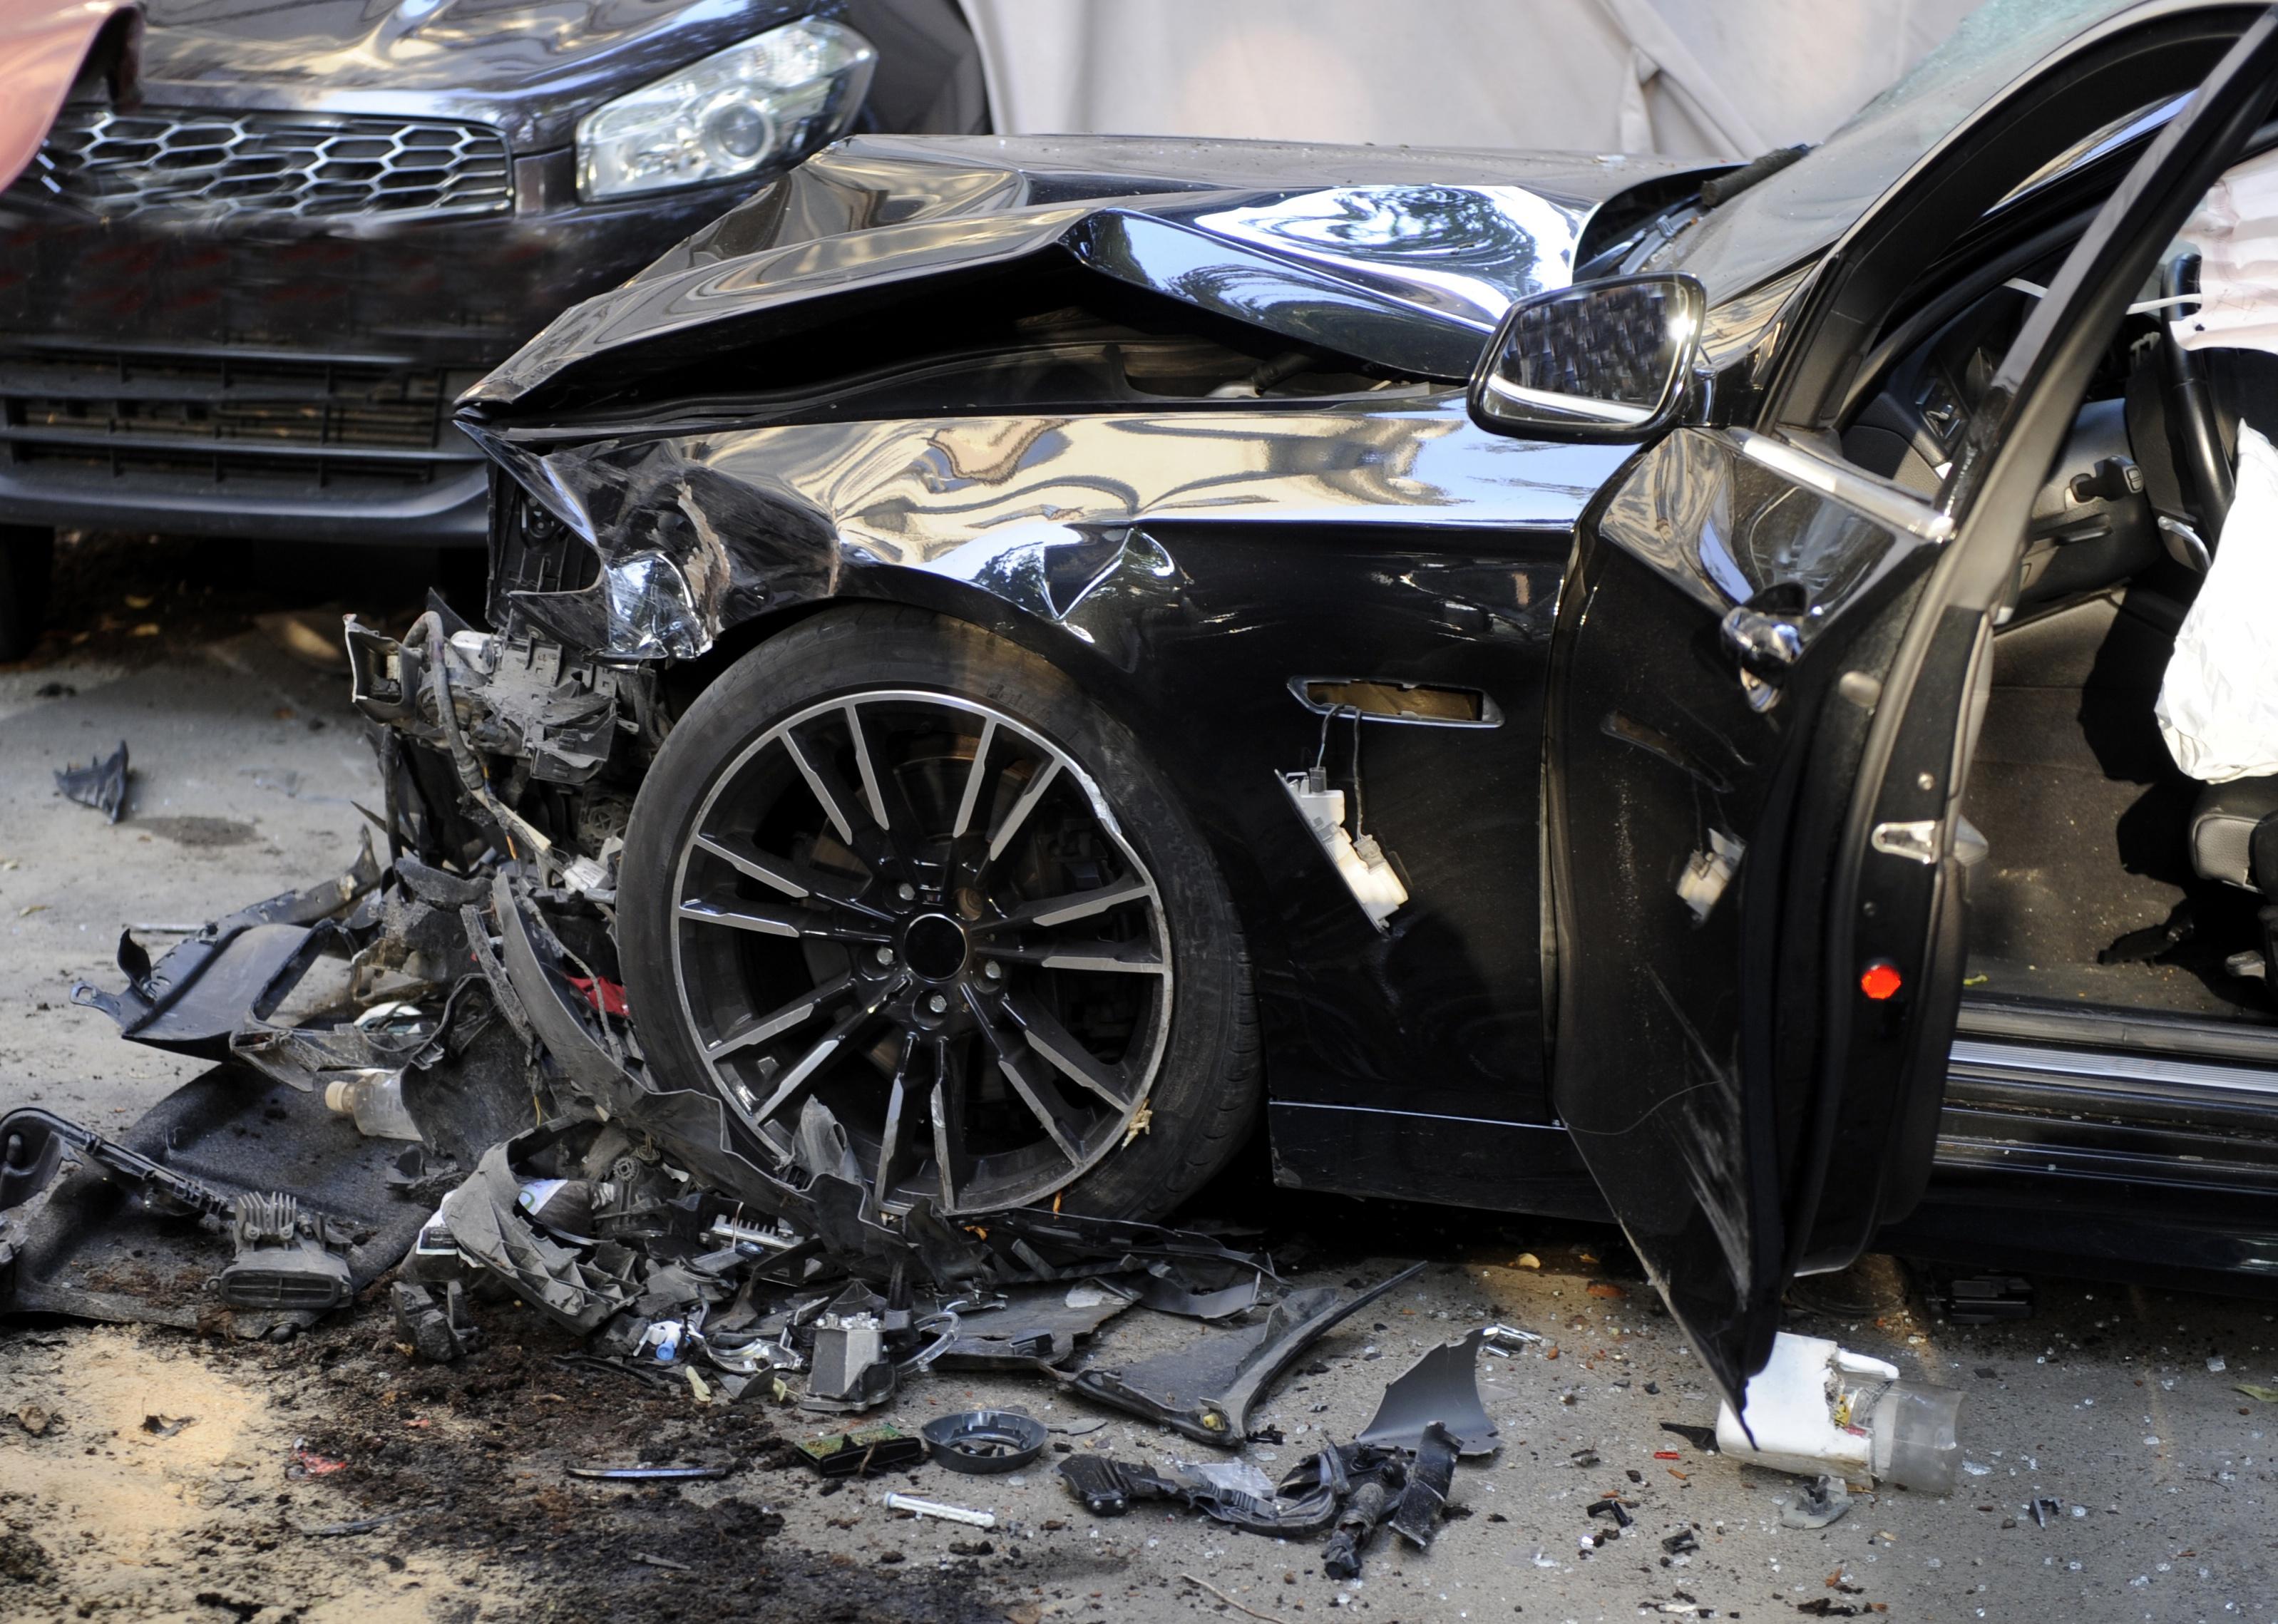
1400,256
1692,839
1184,567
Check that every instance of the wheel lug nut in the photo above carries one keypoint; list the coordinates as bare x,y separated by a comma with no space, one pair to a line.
885,955
939,1005
992,969
908,892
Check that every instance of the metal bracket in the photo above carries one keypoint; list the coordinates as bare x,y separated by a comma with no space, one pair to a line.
1917,840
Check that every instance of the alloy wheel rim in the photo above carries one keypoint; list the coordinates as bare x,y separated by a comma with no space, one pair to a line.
921,912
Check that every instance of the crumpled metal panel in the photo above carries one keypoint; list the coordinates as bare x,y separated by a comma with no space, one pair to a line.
696,533
1406,259
874,180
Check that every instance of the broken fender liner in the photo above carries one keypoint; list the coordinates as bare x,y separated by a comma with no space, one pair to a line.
1206,1392
195,998
575,1036
94,1251
576,1047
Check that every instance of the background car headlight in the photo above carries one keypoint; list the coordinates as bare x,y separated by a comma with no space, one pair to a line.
778,94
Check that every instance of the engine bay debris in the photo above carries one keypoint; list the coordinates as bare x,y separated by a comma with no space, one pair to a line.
449,1085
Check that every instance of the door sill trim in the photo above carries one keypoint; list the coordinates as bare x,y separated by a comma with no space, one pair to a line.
2131,1032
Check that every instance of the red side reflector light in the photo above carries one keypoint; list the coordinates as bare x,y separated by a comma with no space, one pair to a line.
1881,979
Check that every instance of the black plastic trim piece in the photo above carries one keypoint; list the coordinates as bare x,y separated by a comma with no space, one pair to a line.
2139,1033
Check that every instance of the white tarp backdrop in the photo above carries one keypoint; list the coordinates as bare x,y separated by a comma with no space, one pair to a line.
1719,79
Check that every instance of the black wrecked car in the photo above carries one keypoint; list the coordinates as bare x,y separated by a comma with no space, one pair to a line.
1564,685
257,258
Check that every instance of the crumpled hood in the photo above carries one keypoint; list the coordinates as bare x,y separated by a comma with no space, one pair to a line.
528,67
1404,256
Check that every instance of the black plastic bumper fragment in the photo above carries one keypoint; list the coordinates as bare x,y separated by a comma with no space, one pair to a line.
1206,1392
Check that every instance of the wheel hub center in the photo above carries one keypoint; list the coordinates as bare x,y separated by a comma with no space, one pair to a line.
935,946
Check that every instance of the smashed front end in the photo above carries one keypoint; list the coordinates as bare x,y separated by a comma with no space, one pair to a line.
956,373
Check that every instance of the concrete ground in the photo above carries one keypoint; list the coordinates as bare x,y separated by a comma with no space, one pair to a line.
331,1478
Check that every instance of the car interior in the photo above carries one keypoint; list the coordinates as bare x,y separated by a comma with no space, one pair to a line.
2111,881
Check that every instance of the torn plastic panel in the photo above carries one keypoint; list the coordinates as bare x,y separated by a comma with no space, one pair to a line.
1440,1388
1206,1390
85,1242
192,999
101,784
1028,1326
486,1223
1310,1497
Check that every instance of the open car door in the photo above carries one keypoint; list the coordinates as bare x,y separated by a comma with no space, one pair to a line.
1762,710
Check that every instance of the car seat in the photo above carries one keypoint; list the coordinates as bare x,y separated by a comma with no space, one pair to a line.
2234,835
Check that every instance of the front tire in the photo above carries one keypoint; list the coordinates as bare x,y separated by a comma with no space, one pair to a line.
896,866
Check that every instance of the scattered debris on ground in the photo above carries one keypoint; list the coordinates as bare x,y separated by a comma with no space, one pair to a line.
100,784
426,1098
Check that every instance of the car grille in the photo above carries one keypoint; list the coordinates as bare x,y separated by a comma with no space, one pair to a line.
229,165
215,417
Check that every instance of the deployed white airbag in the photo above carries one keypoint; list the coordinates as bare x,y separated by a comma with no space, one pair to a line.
2235,232
2218,706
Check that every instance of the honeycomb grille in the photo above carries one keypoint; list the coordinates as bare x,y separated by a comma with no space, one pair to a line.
215,418
225,165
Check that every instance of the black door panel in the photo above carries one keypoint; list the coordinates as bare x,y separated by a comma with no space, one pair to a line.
1760,732
1687,1077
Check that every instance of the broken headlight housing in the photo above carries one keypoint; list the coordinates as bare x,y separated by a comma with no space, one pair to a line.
776,96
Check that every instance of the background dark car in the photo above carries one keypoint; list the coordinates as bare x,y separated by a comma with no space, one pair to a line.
256,260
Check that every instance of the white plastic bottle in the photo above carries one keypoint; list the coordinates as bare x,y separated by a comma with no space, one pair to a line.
376,1100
